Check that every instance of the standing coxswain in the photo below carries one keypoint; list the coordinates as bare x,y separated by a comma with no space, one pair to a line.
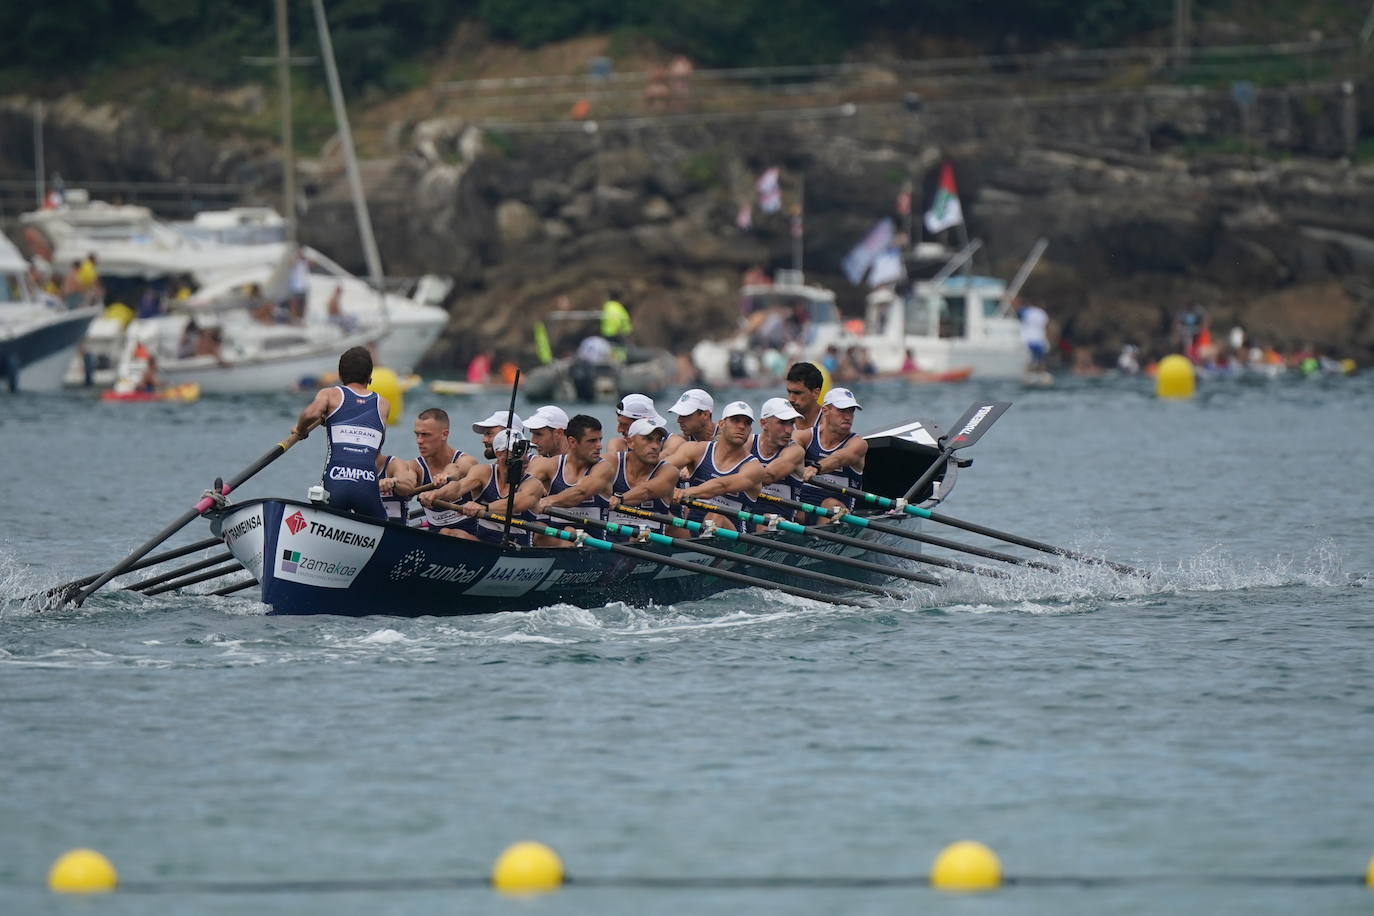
355,422
834,453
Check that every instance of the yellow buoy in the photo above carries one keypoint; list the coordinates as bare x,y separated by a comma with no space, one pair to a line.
1369,873
826,381
385,383
1175,378
527,868
82,871
966,866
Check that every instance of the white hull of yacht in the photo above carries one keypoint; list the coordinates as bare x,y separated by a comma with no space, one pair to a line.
37,344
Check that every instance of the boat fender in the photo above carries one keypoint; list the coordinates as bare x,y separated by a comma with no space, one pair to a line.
708,529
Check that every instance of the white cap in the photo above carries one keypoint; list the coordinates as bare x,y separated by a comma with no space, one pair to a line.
645,426
497,419
737,409
548,416
692,400
781,408
501,441
841,397
637,407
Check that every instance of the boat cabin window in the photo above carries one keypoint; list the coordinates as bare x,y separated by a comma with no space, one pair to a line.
10,289
991,306
953,316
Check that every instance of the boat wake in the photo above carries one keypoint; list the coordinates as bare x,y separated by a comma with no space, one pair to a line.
198,630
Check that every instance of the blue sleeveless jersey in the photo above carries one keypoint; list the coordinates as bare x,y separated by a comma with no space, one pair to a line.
620,486
491,531
588,508
842,477
444,518
785,488
705,470
355,431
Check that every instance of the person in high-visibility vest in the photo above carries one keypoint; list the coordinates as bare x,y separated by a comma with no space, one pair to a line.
615,323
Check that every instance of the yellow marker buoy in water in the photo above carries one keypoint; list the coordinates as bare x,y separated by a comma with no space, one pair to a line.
966,866
1174,378
82,871
385,383
527,868
1369,873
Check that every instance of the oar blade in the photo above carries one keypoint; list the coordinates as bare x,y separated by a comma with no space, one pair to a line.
969,428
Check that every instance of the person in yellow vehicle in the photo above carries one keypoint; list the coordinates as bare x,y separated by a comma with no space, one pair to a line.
615,324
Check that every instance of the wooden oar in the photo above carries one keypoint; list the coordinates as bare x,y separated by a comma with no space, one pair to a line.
917,511
193,513
217,572
744,558
968,429
819,531
60,592
858,521
773,544
180,571
728,575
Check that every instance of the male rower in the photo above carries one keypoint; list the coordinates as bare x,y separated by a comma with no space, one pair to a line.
723,469
438,463
834,453
486,486
492,425
628,409
781,457
557,478
804,383
395,476
636,477
355,419
548,430
693,411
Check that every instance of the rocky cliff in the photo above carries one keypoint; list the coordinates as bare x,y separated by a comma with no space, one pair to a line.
1140,216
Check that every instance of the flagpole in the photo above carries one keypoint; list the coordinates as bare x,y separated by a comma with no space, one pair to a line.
798,228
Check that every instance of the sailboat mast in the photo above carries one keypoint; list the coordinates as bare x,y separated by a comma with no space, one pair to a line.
288,151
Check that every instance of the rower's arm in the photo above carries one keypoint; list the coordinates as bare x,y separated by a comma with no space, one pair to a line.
746,478
672,444
315,411
456,490
789,461
661,484
597,480
851,455
529,493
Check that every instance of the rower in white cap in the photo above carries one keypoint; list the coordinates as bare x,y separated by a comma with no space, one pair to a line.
693,411
637,476
775,449
628,409
492,425
548,427
487,486
834,453
722,469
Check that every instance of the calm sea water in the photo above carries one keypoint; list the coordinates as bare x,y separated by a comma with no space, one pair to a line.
1216,719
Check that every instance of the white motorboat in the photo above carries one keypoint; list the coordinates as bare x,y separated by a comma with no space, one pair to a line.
38,334
129,242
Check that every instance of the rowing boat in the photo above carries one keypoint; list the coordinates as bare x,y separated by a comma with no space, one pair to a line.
311,559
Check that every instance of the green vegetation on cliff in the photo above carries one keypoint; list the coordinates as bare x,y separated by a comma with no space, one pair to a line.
63,43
